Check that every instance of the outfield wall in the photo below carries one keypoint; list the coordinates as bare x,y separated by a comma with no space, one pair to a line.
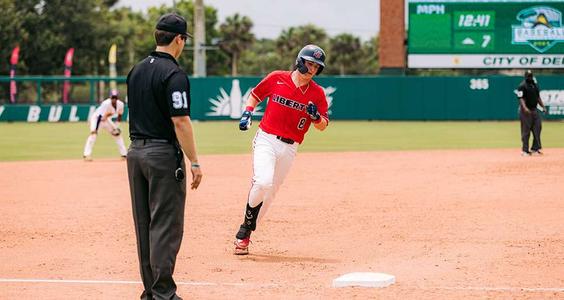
350,98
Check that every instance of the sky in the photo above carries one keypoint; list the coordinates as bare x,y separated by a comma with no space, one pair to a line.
358,17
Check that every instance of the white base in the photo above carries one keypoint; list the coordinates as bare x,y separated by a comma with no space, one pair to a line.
365,279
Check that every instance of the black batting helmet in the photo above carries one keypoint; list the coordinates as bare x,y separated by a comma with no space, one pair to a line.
311,53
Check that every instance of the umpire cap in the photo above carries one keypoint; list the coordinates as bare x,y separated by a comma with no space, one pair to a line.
174,23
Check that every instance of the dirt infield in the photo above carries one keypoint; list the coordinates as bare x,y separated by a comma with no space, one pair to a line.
448,224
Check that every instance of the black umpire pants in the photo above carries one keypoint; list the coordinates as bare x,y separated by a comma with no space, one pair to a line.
530,122
158,201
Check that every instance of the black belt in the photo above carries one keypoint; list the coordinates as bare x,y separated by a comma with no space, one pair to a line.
285,140
146,141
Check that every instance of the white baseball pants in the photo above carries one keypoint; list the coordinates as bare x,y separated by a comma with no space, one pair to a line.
272,159
97,123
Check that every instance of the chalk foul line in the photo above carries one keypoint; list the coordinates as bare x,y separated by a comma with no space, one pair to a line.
496,289
79,281
243,284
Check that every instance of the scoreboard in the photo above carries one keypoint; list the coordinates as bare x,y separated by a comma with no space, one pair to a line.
485,34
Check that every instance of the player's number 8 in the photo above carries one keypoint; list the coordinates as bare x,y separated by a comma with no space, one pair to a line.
302,123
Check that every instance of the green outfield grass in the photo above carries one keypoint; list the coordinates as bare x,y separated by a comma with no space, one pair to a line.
46,141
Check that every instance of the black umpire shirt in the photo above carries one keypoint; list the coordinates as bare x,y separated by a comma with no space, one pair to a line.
157,90
529,92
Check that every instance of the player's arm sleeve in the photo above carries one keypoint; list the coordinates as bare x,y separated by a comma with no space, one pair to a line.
178,94
119,111
521,97
520,92
323,107
262,90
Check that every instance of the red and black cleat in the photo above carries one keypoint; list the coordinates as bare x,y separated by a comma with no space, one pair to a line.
242,246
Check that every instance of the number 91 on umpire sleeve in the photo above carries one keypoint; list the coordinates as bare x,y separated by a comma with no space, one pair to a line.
179,100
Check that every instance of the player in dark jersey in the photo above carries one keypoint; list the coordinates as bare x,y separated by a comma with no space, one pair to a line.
529,97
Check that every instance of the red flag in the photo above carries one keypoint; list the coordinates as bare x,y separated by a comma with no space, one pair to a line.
13,64
67,74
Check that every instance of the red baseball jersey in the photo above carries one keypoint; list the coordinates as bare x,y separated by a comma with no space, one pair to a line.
285,114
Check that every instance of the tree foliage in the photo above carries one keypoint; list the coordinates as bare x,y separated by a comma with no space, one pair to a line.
293,39
57,25
46,29
11,30
236,36
261,59
345,52
369,62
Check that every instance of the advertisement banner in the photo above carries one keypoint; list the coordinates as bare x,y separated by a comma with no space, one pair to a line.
48,113
112,59
349,98
13,63
485,33
505,61
67,74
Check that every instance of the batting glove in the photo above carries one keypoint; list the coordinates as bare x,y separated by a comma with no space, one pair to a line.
245,122
312,111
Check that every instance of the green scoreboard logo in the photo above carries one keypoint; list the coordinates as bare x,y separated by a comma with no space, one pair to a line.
541,27
485,34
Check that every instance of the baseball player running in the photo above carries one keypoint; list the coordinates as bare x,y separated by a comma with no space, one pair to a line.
102,118
295,102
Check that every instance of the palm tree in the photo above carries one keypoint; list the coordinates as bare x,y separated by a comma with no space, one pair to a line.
293,39
261,59
285,43
346,51
369,63
236,37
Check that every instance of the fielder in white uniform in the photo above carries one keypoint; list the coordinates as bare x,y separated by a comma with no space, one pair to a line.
102,118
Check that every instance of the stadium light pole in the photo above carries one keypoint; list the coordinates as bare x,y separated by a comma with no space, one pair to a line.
199,39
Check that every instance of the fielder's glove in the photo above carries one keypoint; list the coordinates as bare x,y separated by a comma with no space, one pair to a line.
116,131
312,111
245,122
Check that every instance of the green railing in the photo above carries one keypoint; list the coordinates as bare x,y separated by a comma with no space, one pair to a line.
349,97
35,85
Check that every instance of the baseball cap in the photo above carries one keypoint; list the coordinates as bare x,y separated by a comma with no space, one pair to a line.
174,23
528,74
114,93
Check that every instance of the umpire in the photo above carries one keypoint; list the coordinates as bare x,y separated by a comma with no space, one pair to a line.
529,96
158,93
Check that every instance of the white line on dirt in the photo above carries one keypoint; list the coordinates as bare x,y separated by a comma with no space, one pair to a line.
496,289
203,283
192,283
